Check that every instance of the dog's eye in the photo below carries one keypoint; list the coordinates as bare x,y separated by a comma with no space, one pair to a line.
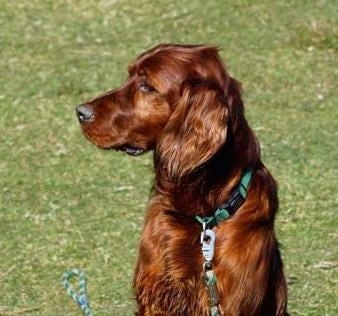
146,88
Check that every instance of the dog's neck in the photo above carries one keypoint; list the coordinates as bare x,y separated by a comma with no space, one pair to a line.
203,189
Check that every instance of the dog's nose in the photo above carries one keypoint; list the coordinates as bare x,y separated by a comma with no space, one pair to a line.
84,113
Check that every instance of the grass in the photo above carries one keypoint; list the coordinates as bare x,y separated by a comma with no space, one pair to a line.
65,204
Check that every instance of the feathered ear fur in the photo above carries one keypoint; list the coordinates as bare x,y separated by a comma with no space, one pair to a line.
196,129
241,140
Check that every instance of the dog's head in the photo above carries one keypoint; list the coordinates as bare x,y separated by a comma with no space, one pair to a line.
177,99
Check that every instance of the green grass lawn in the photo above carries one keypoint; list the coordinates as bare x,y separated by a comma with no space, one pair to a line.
65,204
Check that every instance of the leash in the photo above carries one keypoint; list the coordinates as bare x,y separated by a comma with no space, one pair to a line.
81,297
208,237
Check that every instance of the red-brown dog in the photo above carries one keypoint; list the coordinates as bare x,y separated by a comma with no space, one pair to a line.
180,102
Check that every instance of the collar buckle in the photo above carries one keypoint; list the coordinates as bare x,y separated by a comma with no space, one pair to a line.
229,208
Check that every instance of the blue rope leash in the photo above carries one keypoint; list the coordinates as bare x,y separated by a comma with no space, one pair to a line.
81,297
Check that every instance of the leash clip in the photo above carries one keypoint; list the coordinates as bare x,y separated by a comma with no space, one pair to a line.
208,238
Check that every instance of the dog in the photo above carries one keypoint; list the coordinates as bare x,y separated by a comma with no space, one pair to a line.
208,245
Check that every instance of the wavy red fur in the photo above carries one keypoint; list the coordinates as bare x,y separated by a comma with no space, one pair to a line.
180,102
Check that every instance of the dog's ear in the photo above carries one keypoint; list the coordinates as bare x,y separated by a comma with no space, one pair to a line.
244,145
196,129
233,93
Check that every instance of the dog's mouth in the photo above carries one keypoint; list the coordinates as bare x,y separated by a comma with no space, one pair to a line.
130,150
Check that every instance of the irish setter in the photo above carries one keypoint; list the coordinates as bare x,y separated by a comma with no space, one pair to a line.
180,102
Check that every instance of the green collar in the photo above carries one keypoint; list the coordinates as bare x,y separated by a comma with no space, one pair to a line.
229,208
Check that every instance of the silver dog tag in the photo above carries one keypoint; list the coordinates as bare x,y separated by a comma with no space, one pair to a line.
208,244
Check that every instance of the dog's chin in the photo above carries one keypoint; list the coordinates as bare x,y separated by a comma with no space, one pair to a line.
130,150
